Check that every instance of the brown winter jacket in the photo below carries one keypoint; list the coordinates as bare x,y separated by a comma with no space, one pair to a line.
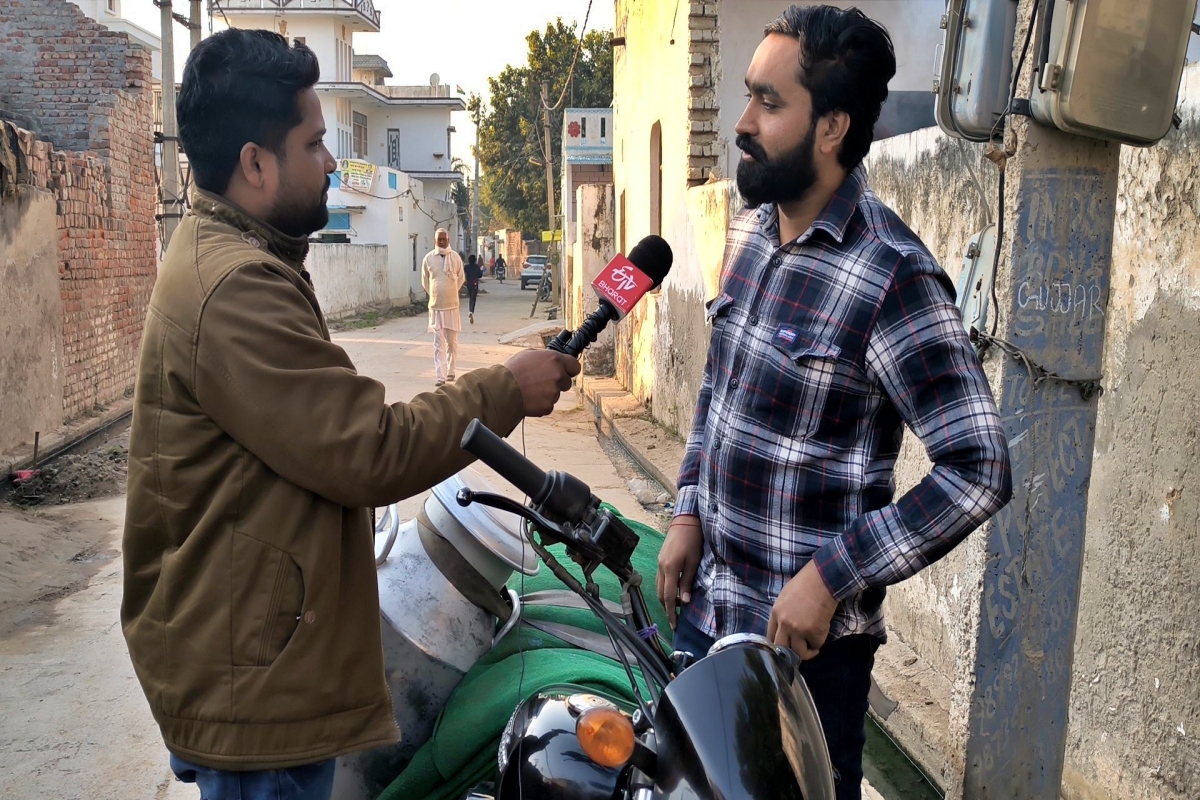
250,607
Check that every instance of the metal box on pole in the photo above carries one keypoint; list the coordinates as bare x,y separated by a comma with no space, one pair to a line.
1110,69
975,76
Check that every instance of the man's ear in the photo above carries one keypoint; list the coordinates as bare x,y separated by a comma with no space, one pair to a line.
831,131
251,163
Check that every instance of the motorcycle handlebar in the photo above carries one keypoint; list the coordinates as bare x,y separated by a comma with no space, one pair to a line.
515,468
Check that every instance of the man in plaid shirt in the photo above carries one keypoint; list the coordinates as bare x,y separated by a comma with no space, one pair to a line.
834,326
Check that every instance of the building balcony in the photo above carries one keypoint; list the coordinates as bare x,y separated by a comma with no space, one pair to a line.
360,14
392,96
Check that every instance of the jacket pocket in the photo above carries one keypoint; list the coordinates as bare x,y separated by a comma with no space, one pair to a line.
795,383
266,601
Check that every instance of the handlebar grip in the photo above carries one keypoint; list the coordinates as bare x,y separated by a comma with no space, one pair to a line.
498,454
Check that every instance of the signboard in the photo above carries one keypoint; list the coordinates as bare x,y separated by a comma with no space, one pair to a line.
552,236
356,174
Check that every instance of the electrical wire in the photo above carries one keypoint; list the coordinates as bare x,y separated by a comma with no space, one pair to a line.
1012,99
570,72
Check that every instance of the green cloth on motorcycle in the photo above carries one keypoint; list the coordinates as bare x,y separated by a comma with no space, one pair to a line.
462,751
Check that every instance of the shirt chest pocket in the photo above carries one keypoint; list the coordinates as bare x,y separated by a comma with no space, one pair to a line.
717,316
797,372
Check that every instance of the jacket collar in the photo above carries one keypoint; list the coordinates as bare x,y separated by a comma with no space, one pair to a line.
291,249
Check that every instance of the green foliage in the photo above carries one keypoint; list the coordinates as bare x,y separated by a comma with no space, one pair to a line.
511,140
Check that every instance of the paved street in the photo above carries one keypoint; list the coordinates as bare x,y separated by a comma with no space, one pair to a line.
75,721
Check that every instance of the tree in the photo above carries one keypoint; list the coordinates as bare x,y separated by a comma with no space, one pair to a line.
461,194
511,141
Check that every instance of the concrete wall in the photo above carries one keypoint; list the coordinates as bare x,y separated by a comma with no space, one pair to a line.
30,318
1135,705
594,245
1135,708
349,278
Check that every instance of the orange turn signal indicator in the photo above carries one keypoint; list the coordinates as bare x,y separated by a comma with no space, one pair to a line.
606,736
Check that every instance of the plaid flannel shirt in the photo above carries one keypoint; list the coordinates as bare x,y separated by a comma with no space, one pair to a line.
821,349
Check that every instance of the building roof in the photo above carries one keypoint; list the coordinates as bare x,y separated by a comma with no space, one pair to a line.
370,61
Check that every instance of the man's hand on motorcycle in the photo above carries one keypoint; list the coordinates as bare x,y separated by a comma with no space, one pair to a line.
801,615
543,376
678,561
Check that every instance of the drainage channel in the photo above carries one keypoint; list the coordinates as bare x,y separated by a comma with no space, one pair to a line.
83,444
891,772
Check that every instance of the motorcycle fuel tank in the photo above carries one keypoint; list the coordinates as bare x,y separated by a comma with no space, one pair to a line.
741,723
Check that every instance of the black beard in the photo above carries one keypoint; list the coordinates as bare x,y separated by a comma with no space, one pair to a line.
784,179
292,219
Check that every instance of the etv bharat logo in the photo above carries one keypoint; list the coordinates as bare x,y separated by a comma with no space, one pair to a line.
624,279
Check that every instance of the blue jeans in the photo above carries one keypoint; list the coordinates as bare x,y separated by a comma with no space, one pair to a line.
839,679
310,782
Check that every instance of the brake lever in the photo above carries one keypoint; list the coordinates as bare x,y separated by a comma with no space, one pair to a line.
466,497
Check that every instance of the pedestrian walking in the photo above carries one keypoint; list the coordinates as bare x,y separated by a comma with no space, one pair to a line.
474,272
441,277
250,607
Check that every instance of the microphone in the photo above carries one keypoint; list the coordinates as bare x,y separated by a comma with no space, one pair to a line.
620,286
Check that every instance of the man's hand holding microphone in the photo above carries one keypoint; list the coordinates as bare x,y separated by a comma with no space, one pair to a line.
543,376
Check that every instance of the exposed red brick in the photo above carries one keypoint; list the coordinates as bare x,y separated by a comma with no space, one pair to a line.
85,92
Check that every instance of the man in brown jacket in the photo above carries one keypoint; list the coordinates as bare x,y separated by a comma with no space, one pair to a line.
250,605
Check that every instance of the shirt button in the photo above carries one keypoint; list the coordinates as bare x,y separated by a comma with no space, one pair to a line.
776,261
717,444
733,383
753,319
713,508
310,617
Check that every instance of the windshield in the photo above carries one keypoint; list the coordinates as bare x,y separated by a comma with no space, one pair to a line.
755,734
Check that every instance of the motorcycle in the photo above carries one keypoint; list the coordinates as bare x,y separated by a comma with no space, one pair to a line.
500,273
739,722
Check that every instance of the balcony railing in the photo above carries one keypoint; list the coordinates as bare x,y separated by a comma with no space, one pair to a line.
365,8
442,90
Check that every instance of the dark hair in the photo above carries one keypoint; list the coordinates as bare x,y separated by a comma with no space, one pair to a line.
846,61
471,258
240,86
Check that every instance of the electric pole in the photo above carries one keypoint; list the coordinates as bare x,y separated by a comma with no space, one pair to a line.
171,189
195,26
549,159
475,191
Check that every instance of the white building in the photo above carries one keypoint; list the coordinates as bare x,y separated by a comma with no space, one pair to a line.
405,128
393,143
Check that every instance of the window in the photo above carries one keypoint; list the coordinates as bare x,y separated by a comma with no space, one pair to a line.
112,6
656,179
338,221
603,125
583,127
360,135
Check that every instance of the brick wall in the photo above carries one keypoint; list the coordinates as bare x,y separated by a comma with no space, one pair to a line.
703,105
90,107
591,173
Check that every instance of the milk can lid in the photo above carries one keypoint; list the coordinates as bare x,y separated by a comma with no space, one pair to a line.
498,531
